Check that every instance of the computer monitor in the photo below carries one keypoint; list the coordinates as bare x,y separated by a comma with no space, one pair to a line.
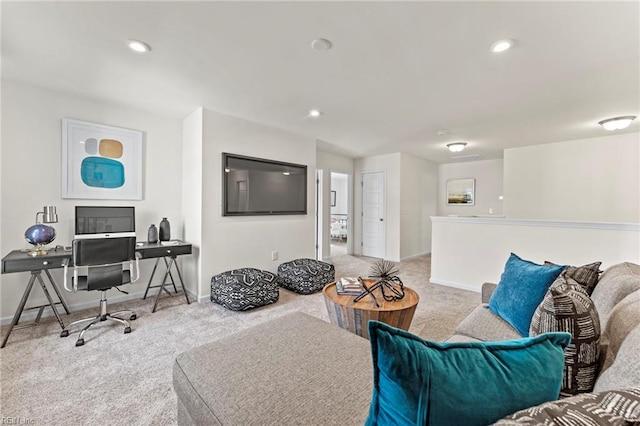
105,222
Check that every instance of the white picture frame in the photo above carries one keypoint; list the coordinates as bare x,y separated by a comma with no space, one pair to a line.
461,192
100,162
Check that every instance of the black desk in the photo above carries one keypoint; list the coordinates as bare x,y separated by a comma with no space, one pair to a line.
21,261
164,252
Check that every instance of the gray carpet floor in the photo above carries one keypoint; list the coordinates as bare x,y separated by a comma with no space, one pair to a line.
118,378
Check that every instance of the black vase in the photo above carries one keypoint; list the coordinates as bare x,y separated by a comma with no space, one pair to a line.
165,230
152,234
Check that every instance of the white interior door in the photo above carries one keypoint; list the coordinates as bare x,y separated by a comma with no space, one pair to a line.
373,225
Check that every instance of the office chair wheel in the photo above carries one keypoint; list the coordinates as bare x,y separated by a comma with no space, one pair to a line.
80,342
64,333
127,330
133,317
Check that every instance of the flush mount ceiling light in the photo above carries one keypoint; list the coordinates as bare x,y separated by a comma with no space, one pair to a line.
501,45
617,123
314,113
456,146
321,44
138,46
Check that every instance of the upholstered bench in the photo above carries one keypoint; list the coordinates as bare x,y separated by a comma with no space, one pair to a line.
305,276
244,288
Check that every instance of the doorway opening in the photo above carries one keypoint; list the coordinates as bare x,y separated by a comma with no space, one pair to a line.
340,220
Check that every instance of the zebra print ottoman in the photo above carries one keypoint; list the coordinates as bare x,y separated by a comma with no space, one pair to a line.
305,276
244,288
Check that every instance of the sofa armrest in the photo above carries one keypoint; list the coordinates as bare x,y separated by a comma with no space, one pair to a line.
487,291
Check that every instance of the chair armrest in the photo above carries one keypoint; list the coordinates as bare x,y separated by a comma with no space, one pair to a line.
65,265
487,291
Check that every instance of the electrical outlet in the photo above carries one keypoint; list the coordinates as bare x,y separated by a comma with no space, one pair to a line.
274,255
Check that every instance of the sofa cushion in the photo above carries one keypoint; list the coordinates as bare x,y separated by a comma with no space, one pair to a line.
625,370
417,381
284,371
624,318
615,283
522,287
567,307
618,407
482,324
586,275
622,363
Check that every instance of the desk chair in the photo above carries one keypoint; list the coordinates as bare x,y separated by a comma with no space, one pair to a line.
101,264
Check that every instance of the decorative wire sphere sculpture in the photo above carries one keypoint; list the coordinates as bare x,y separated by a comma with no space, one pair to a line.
388,282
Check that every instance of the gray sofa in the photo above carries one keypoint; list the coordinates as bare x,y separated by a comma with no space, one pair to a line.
300,370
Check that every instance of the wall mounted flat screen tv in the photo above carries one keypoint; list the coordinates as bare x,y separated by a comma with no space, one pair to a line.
256,187
105,222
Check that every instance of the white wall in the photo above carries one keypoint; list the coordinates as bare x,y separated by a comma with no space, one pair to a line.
236,242
595,179
31,176
418,195
469,251
192,196
488,175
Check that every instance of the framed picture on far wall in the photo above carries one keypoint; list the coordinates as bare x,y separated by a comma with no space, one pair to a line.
333,198
100,162
461,192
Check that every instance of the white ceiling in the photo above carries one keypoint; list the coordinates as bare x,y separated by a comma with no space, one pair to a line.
397,73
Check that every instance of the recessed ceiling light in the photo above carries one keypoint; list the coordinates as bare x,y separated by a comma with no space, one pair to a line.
314,113
321,44
138,46
501,45
617,123
456,146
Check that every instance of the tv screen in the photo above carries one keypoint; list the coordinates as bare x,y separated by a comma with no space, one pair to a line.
105,221
255,186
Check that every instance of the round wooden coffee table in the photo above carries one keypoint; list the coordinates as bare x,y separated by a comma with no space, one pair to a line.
354,317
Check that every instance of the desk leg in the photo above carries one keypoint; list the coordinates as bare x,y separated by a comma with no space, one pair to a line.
53,306
168,266
151,278
23,302
182,283
164,281
172,262
55,288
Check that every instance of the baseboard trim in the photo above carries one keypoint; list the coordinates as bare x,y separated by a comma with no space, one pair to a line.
415,255
446,283
116,298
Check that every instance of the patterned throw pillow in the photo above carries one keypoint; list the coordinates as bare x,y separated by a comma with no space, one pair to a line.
618,407
568,307
586,275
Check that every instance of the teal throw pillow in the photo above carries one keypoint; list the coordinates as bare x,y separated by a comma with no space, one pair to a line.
419,382
522,287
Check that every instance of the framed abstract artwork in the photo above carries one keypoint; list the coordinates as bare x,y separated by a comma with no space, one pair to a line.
461,192
100,162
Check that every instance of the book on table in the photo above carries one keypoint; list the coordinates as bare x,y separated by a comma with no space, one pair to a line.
349,285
